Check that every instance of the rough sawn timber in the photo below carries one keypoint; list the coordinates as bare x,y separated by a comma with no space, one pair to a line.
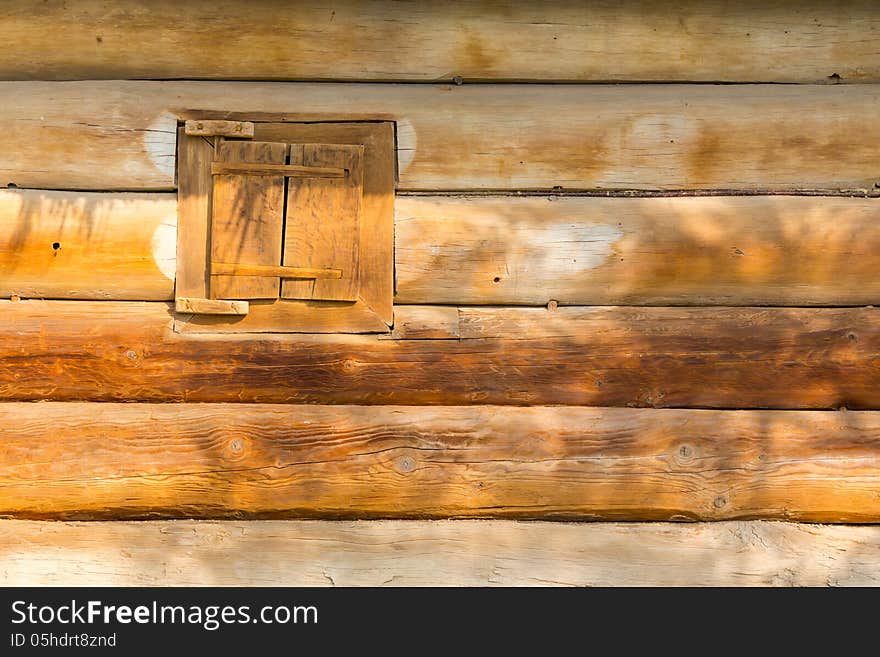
86,460
121,134
602,356
435,553
626,40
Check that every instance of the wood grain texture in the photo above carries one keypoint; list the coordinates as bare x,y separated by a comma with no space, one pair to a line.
323,223
193,216
435,553
86,460
120,135
247,220
726,250
87,246
373,312
601,356
577,250
626,40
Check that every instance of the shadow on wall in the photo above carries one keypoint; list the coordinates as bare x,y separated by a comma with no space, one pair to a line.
728,250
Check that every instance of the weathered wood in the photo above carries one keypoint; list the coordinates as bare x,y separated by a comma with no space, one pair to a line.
426,323
435,553
272,270
243,129
120,135
87,246
85,460
323,223
193,216
730,250
627,40
604,356
247,220
779,250
289,170
210,306
373,312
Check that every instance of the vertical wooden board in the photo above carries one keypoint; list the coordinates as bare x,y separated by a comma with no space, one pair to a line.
193,211
324,221
247,220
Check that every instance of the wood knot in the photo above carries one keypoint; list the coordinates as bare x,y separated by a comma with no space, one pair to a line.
686,451
406,464
719,501
131,355
552,305
236,445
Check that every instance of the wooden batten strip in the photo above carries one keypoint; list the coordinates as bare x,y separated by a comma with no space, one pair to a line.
601,356
435,553
121,135
231,460
627,40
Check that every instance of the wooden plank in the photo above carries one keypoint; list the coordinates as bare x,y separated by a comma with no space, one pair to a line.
193,216
120,135
102,461
247,220
323,223
210,306
87,246
243,129
602,356
765,250
488,40
435,553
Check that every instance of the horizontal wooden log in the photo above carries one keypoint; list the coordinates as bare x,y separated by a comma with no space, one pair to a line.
81,245
731,250
86,460
121,135
488,40
602,356
435,553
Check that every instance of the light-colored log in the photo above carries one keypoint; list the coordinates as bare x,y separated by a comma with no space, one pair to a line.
775,250
81,245
601,356
436,553
121,135
626,40
727,250
106,461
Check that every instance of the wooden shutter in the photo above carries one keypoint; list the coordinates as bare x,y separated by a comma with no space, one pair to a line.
247,219
323,222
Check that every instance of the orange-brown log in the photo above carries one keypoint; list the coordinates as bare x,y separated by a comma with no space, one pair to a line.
88,460
601,356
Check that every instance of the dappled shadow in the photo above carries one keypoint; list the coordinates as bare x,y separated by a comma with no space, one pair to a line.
710,250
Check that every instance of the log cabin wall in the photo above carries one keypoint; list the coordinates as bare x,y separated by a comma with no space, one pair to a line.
636,258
